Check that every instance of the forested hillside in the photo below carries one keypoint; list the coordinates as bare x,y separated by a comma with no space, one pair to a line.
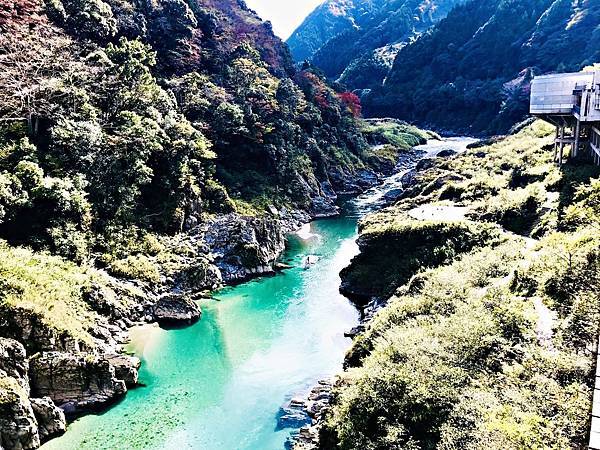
460,66
149,151
152,114
356,41
471,72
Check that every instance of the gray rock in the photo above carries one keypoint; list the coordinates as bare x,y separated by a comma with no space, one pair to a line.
126,368
292,418
13,362
408,178
245,247
328,190
18,426
315,407
367,179
393,195
50,419
25,326
24,422
446,153
176,309
199,275
75,382
323,207
425,163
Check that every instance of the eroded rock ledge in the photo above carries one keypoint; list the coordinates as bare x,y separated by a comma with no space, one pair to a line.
25,422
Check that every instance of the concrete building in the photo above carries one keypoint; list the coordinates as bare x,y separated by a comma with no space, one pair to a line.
571,102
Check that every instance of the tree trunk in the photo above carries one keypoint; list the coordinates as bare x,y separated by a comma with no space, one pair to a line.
30,124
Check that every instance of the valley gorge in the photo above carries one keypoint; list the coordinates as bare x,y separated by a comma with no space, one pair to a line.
213,239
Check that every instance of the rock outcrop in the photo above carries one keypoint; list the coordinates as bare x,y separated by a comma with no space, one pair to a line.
126,368
50,419
24,325
76,382
24,422
18,426
245,246
176,309
313,408
13,363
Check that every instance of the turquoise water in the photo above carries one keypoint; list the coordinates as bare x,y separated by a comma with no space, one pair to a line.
219,384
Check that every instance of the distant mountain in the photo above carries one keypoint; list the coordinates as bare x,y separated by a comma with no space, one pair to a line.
327,21
356,40
472,71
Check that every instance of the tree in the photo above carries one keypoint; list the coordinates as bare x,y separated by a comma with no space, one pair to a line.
92,19
32,75
352,102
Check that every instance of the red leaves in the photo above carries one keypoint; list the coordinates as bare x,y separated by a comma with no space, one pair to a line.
15,12
352,102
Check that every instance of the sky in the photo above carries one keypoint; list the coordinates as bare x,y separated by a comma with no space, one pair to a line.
285,15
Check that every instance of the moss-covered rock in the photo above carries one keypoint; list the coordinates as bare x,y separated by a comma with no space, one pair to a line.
392,252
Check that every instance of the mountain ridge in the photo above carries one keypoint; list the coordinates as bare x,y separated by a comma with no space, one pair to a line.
471,72
353,36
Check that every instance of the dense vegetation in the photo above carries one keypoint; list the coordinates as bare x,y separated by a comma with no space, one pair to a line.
463,66
123,124
494,349
471,72
120,118
388,139
356,41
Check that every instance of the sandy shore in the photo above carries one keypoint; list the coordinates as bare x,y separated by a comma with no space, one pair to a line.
142,338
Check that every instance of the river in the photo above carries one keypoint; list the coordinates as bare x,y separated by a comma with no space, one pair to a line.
219,384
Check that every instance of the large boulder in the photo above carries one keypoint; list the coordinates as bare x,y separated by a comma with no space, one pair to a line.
50,418
446,153
174,309
245,247
126,368
425,164
76,382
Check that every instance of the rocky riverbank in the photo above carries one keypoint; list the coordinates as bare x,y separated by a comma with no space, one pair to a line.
309,411
70,371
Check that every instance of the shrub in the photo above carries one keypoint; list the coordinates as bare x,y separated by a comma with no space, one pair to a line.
49,287
137,267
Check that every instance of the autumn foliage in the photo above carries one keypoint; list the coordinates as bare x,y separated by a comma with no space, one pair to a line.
352,102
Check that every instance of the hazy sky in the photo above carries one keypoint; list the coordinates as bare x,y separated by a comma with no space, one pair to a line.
285,15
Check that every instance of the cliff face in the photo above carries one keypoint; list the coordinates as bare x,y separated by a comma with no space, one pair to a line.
471,73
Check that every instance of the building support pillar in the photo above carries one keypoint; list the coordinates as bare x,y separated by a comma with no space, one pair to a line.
576,142
556,143
562,146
